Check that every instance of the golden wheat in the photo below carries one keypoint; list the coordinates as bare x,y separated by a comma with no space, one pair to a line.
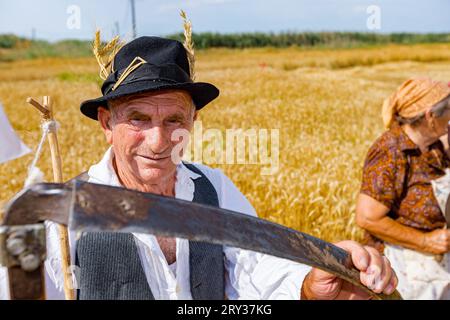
326,104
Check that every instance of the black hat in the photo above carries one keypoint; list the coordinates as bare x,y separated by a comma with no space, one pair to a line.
150,64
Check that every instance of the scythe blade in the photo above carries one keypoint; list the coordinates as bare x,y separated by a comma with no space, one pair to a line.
88,207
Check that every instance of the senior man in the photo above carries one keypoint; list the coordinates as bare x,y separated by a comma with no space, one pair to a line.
148,95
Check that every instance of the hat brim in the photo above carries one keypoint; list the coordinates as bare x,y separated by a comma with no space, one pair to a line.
202,93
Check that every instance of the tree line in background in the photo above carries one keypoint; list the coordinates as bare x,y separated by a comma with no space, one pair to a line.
308,39
22,48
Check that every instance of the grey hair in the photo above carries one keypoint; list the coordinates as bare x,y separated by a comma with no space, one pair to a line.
111,107
438,110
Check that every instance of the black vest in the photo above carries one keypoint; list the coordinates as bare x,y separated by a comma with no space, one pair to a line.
110,267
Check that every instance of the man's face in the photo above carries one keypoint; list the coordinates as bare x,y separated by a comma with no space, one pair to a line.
140,130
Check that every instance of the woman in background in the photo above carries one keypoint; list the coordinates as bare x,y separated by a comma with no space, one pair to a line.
396,204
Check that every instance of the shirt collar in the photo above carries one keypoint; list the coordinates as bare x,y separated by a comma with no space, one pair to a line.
435,156
104,173
405,143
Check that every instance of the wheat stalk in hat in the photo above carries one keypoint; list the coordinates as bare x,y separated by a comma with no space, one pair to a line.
105,54
188,43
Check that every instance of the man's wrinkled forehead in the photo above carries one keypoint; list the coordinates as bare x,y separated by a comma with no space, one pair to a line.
163,101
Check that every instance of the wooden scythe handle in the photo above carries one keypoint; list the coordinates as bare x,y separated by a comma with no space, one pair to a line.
57,177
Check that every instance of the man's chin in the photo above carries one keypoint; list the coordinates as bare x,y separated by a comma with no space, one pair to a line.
154,174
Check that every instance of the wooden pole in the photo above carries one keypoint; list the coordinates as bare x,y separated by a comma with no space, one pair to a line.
46,111
54,145
133,18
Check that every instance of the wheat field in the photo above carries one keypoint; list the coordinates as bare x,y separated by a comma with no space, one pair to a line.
325,102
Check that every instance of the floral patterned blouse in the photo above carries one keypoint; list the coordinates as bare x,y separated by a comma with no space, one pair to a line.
397,174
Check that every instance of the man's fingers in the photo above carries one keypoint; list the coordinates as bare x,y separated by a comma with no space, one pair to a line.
360,256
375,270
385,277
390,288
374,276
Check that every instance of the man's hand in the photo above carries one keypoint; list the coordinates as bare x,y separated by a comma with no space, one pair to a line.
376,273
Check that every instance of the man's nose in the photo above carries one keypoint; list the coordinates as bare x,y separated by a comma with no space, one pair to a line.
158,139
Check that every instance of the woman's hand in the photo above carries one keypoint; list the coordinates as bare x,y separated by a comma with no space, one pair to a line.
437,241
373,216
376,273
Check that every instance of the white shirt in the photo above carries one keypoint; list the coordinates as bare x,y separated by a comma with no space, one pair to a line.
249,275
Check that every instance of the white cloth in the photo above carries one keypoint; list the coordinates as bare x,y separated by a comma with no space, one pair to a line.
420,276
4,280
441,189
249,275
11,147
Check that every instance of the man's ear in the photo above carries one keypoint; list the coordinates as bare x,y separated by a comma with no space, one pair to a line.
104,117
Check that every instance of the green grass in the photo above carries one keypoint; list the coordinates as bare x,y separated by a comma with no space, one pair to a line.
79,77
13,47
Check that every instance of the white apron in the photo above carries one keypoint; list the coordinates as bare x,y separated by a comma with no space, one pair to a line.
423,276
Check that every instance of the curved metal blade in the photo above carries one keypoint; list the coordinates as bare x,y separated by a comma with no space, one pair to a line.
40,202
105,208
88,207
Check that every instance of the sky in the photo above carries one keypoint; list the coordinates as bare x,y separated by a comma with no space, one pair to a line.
78,19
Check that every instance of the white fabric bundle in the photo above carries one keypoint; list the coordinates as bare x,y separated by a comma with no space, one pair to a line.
11,147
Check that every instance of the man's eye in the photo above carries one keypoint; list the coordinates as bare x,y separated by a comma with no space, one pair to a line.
139,118
175,121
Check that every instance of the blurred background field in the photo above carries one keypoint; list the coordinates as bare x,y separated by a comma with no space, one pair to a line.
324,100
